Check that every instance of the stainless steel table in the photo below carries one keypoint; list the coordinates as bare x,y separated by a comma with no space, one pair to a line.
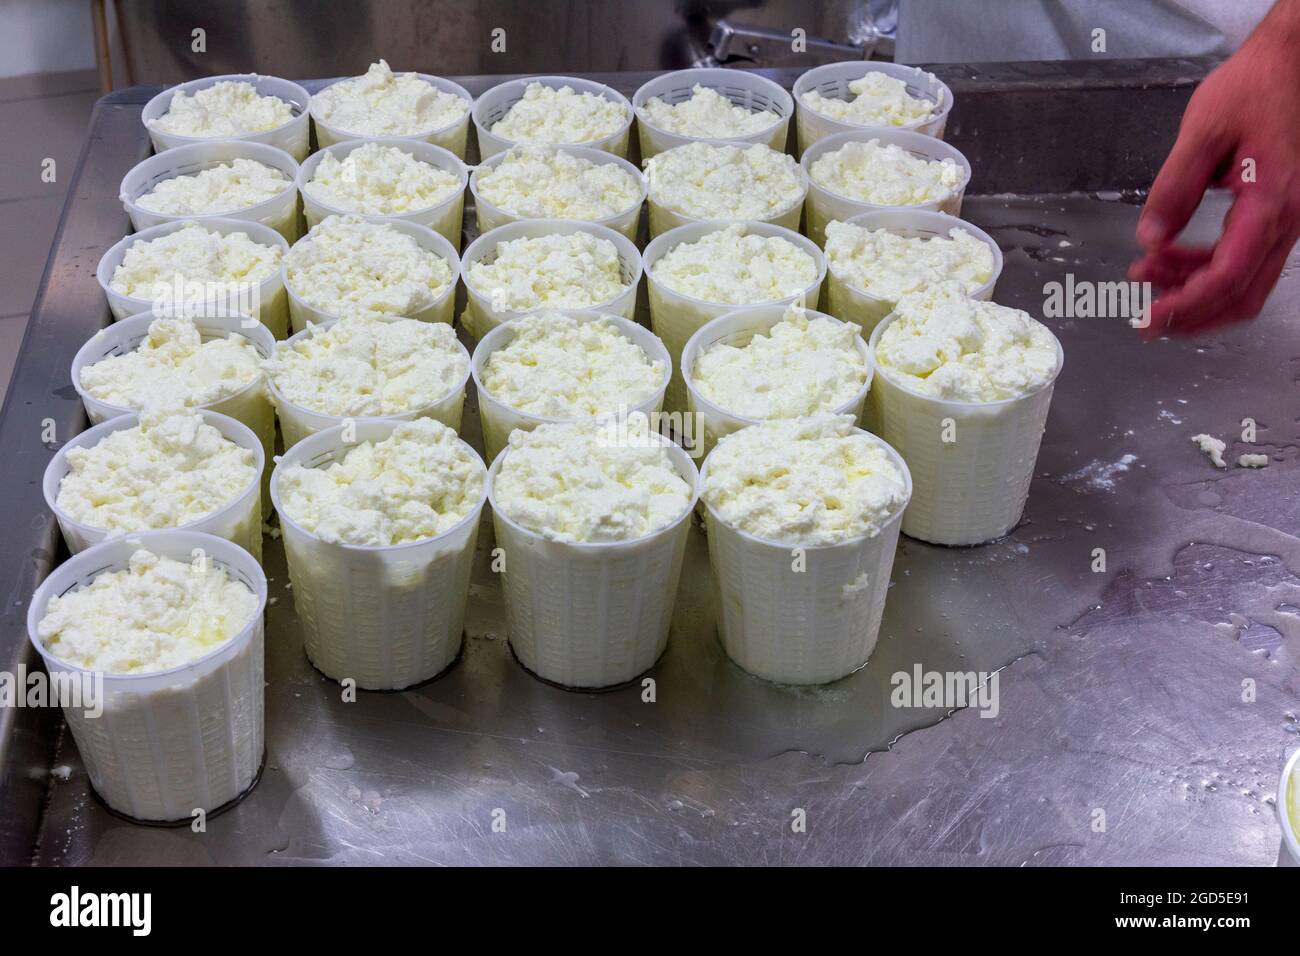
1121,737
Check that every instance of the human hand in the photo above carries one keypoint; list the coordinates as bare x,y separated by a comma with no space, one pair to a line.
1241,131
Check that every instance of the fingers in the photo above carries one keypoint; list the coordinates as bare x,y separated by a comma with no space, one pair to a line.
1225,287
1169,266
1253,299
1191,166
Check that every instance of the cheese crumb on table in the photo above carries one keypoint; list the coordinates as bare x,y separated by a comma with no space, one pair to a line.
224,109
887,266
803,481
149,268
169,470
723,181
884,174
173,366
732,266
226,187
799,367
383,103
947,345
541,182
1213,448
417,483
347,264
559,115
707,113
368,365
380,180
567,482
878,100
557,366
557,271
156,614
1252,461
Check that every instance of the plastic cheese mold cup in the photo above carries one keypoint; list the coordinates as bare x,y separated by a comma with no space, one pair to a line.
272,306
238,521
169,742
443,217
625,222
737,328
747,90
452,136
249,405
387,616
499,420
587,615
675,317
824,205
1288,812
832,81
280,212
663,220
496,102
812,627
297,421
302,313
972,489
480,317
854,305
292,137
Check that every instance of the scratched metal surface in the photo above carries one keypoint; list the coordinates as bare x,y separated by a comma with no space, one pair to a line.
1119,691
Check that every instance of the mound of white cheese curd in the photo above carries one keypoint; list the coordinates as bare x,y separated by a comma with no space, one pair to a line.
569,483
383,103
944,344
155,614
417,483
557,366
803,481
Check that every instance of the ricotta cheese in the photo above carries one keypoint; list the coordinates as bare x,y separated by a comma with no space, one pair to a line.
156,614
884,174
555,271
707,114
567,483
224,109
1213,448
878,100
731,266
346,264
945,344
384,103
195,254
369,366
887,266
173,367
1252,461
417,483
800,367
226,187
803,481
722,181
560,115
557,366
538,182
170,469
380,180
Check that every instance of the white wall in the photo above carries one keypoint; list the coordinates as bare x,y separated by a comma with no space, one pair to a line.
45,36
